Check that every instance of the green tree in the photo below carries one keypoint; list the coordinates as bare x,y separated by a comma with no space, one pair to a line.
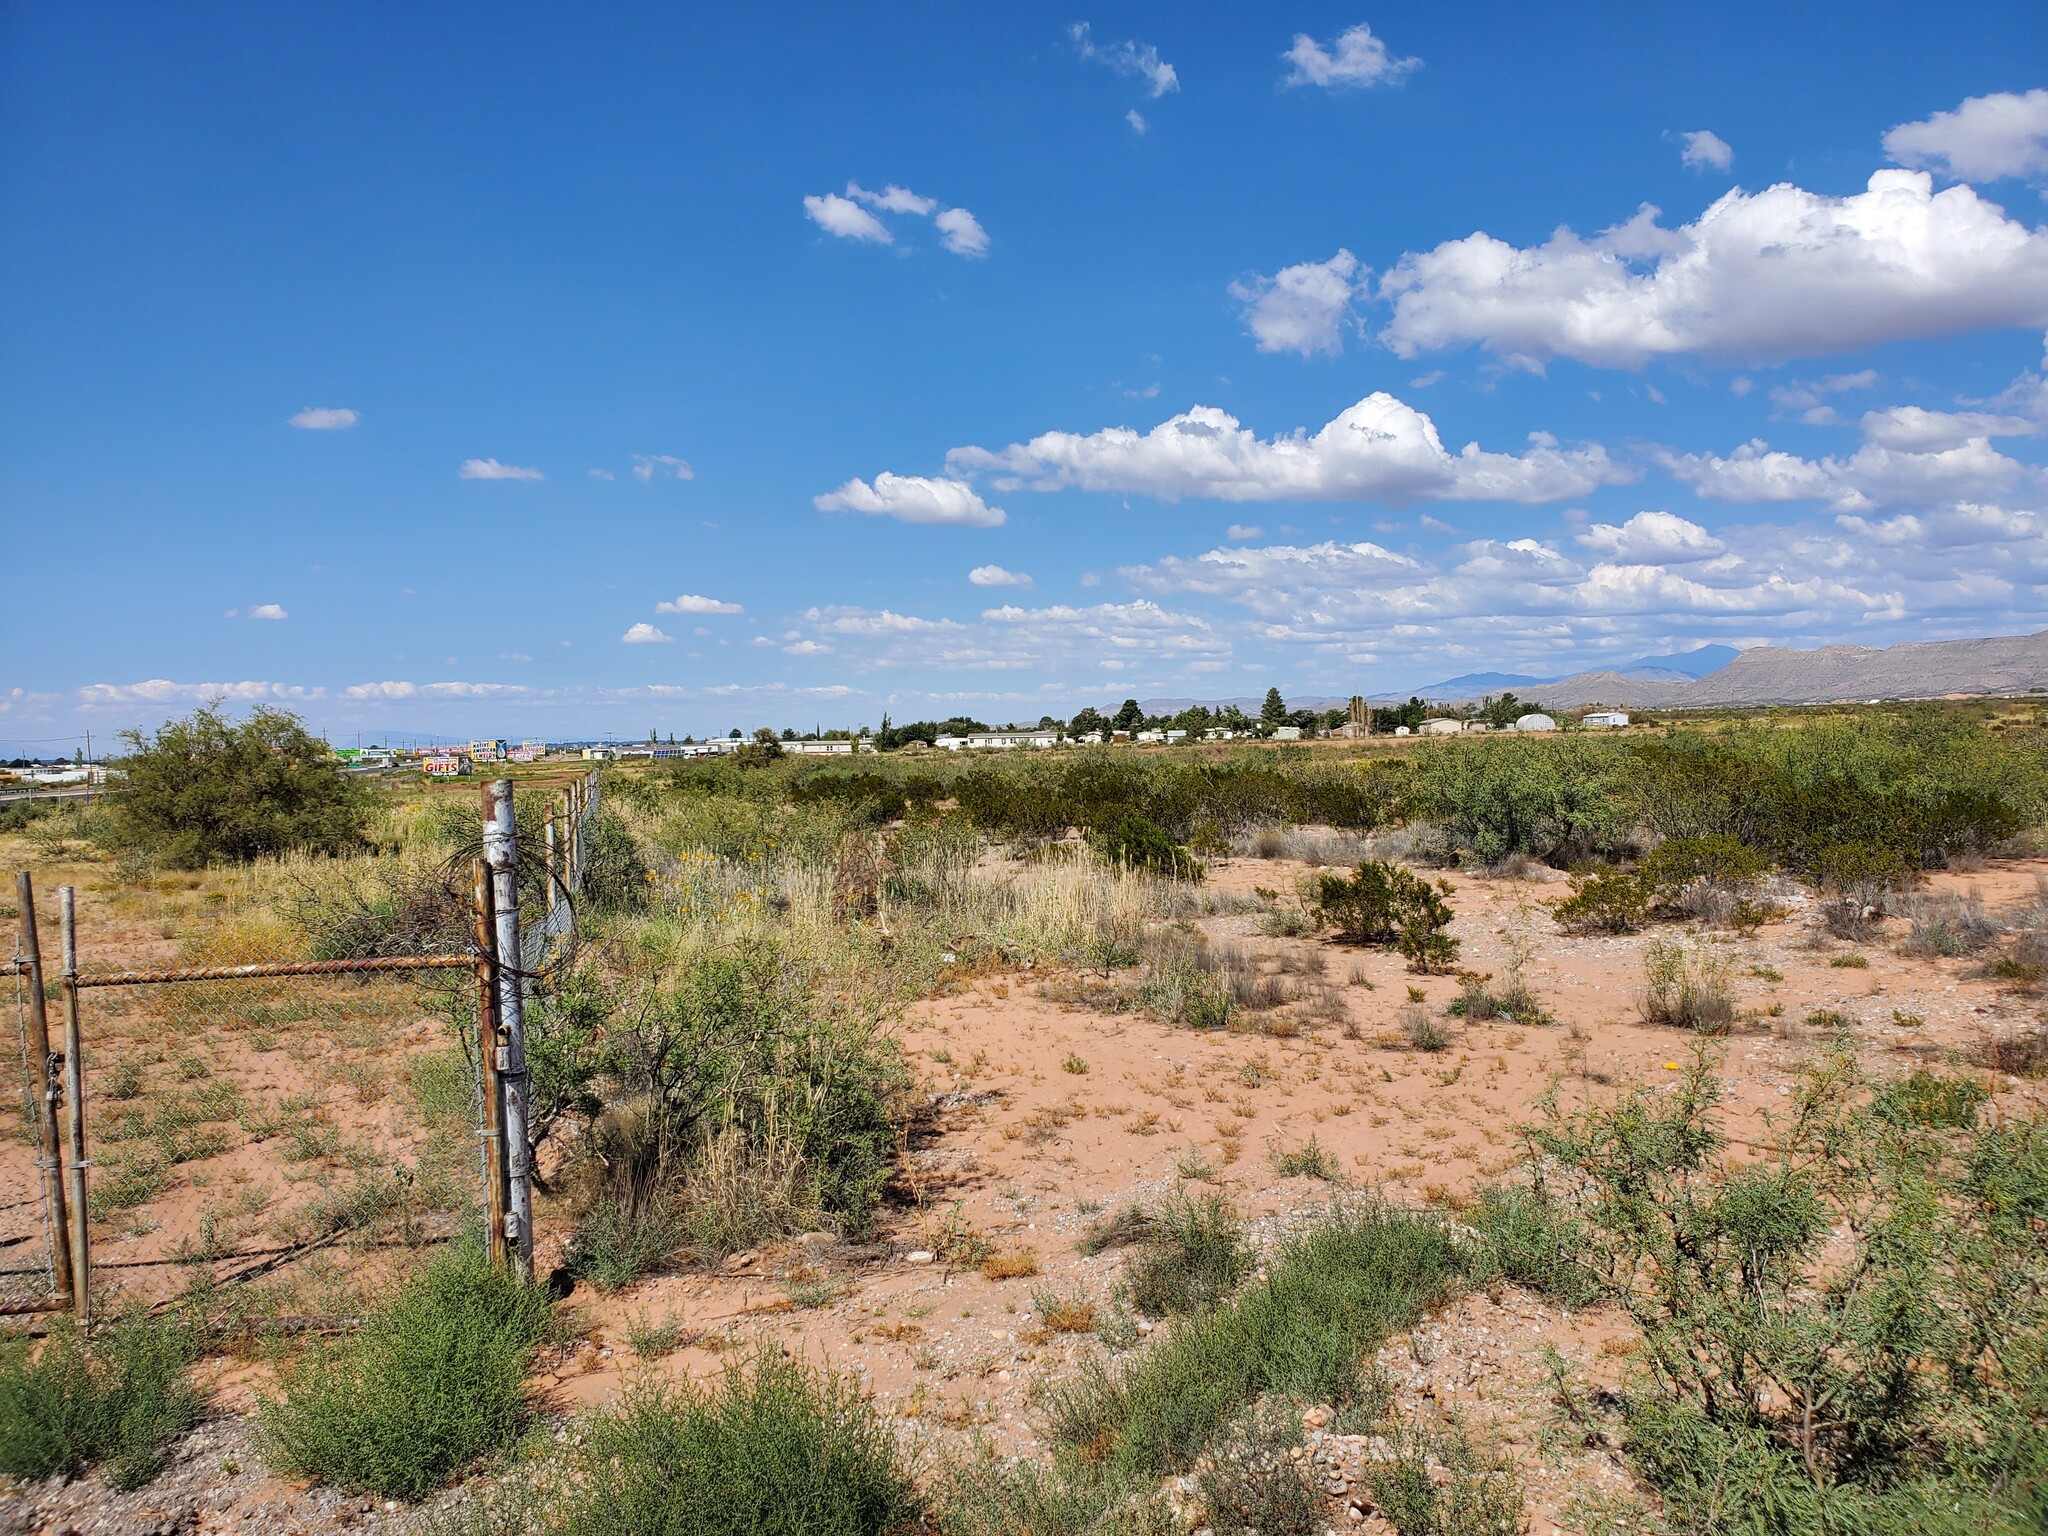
1130,717
205,788
1274,711
1087,721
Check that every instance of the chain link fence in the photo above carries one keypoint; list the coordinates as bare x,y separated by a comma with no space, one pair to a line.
286,1079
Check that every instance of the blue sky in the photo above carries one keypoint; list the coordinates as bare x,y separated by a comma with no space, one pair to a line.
556,371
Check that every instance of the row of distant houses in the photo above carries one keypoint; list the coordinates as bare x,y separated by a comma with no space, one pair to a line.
453,762
1598,719
997,741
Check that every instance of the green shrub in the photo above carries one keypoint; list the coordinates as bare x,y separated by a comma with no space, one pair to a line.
1929,1099
1310,1160
434,1380
1330,1295
1478,1000
1390,907
205,788
1184,983
1716,859
1194,1253
1555,800
619,1240
17,814
1846,1335
1527,1238
1438,1483
768,1450
119,1399
737,1053
1136,843
1606,901
1841,800
1250,1482
614,870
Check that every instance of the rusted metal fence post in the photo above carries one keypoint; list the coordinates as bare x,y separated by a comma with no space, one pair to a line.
501,852
485,936
49,1095
74,1109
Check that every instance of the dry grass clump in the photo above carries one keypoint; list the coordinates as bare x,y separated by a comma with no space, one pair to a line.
1010,1264
1313,846
1949,925
1064,1311
1855,911
1687,989
1421,1029
2021,1052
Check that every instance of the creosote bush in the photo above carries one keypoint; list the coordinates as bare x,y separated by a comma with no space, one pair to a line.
1605,901
206,788
1137,843
1393,908
117,1400
434,1380
1847,1334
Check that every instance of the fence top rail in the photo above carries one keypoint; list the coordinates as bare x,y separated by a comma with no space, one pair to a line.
277,968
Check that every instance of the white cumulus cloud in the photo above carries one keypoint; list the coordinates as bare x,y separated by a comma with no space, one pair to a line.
1705,150
996,576
1380,449
491,469
647,465
1769,275
845,218
961,233
161,690
1658,536
1987,138
325,418
1941,467
1126,58
849,218
646,634
691,602
913,499
1914,429
891,199
267,611
1356,59
1303,308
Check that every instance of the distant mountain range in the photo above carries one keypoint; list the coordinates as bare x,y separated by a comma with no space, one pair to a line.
1678,667
1718,674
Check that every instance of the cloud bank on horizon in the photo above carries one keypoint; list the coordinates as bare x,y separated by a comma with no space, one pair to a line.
1168,437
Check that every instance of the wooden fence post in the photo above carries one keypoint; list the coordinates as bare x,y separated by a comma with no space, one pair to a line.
49,1094
74,1107
501,852
486,943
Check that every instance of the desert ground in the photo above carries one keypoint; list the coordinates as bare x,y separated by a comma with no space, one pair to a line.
1044,1107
